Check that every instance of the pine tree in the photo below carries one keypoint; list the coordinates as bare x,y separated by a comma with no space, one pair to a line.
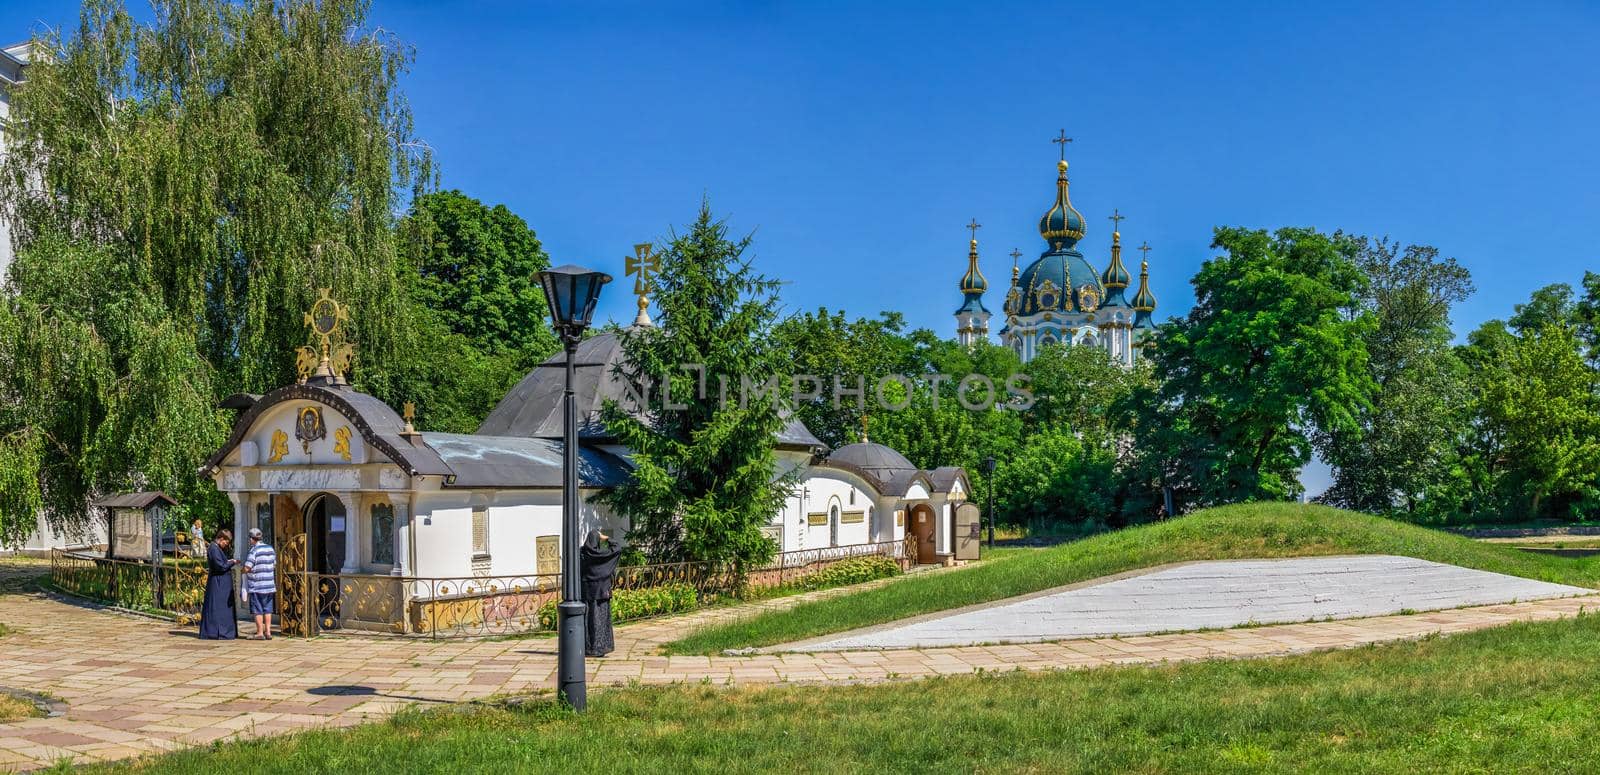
706,476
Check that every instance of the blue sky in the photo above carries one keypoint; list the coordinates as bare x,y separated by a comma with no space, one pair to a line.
856,139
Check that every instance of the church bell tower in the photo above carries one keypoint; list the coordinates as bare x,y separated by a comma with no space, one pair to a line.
972,319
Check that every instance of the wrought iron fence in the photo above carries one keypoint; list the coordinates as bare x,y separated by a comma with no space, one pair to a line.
175,587
461,606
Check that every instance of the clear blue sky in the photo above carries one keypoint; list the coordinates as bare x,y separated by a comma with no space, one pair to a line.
856,139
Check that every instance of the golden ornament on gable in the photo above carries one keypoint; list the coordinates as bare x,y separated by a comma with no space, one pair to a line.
341,443
280,446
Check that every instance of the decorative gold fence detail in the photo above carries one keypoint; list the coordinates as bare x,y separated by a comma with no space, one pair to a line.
450,607
176,587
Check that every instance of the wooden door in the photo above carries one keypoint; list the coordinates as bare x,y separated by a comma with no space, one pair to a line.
922,526
289,523
967,532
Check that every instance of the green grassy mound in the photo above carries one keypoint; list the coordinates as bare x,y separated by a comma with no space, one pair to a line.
1520,698
1231,532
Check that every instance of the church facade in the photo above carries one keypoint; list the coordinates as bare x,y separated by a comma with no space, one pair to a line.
346,487
1060,297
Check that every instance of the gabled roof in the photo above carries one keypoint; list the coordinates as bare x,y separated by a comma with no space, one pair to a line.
378,425
135,500
945,477
533,409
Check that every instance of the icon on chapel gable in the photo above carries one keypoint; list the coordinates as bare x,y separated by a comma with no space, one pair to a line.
308,427
280,446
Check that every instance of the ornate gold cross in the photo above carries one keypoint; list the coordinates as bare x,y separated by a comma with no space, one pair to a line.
1062,141
1145,248
333,355
642,267
974,226
1117,218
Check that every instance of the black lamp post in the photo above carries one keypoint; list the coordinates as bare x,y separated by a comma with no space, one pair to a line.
988,472
571,291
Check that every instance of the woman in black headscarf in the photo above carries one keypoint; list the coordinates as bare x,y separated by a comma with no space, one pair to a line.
599,560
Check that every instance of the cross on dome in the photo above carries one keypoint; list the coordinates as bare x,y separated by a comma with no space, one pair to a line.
1062,141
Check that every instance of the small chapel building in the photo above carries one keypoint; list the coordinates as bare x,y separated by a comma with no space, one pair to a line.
352,486
1060,297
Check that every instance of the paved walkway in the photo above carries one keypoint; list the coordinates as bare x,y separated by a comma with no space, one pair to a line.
1208,595
135,686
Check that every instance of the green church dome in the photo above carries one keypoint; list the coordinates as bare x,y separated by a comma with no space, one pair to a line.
1062,226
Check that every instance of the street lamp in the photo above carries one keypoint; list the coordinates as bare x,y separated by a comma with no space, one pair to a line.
571,292
988,472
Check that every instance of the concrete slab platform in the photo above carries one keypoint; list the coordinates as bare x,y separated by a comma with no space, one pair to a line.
1209,595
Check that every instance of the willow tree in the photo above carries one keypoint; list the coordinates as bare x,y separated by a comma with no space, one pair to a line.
215,166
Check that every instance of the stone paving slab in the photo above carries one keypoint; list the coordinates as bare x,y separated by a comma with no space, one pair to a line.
135,686
1210,595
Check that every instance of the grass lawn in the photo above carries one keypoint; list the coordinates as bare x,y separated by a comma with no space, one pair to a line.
1519,698
1242,531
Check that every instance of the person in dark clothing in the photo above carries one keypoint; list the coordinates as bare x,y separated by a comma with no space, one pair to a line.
217,621
598,559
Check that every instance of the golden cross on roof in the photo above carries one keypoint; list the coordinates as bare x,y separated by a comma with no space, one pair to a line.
1145,248
1062,140
1016,255
642,267
974,226
1117,218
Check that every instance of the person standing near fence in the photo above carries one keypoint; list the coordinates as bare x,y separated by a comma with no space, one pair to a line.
260,582
598,559
217,620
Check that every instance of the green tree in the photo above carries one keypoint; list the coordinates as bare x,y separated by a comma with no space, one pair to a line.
1076,389
181,189
1540,403
706,476
852,354
479,318
1553,304
1054,477
1266,356
1586,315
476,267
1406,446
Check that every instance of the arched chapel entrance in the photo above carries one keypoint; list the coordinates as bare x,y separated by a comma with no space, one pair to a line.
326,527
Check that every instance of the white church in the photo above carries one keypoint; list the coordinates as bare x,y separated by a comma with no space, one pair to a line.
1060,297
339,474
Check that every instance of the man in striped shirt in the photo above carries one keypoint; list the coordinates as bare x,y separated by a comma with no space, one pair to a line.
260,583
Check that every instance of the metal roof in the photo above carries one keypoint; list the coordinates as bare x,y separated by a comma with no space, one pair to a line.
508,462
135,500
533,408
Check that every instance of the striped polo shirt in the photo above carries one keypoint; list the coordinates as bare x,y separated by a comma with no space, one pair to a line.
261,560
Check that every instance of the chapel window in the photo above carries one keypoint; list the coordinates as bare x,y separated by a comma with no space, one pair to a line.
382,534
264,521
480,531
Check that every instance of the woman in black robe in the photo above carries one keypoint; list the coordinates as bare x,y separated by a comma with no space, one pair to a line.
217,621
599,558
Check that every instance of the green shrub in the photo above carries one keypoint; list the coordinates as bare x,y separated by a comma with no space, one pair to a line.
852,571
629,604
